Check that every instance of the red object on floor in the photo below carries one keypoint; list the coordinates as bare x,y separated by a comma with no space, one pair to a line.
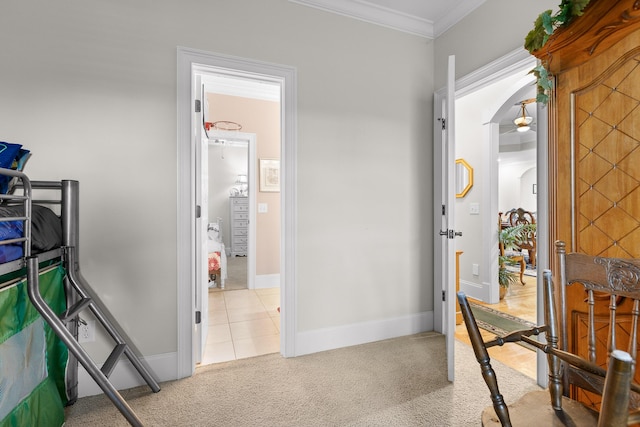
214,261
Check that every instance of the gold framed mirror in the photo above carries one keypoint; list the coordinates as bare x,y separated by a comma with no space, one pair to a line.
464,178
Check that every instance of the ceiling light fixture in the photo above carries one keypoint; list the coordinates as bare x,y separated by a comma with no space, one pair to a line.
522,121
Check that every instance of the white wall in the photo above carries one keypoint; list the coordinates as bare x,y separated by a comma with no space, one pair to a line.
527,195
517,190
90,88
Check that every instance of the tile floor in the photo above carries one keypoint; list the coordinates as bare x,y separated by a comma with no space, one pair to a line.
242,323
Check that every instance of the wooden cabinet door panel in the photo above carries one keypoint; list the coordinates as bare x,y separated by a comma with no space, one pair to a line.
594,148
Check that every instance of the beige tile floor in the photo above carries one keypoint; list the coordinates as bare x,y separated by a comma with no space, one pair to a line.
242,323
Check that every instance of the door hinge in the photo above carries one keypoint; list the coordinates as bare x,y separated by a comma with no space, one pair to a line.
444,210
444,298
198,211
198,317
444,124
198,106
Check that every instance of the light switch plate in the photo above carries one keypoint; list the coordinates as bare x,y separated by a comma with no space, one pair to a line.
474,208
263,208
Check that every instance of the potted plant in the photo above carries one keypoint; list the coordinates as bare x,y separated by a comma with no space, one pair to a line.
508,239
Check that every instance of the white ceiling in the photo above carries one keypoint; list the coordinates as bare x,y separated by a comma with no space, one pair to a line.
426,18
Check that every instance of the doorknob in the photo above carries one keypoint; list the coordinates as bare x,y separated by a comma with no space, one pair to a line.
450,233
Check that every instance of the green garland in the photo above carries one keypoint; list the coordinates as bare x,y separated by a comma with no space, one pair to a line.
544,27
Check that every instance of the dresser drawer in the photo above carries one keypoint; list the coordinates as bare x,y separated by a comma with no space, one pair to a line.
240,232
239,201
240,240
240,224
240,250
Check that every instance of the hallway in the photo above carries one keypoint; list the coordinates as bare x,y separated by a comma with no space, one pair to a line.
519,302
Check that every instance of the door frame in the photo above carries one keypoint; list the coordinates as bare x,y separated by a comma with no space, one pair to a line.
515,61
187,59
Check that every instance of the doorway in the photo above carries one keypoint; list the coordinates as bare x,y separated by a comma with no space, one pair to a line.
500,161
511,172
476,213
242,321
192,61
230,209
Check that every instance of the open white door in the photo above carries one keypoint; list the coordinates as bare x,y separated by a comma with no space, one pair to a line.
202,221
448,234
444,219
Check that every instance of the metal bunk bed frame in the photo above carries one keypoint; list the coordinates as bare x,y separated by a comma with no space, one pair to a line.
78,292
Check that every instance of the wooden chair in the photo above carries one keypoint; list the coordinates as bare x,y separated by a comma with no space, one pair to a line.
599,302
615,278
520,216
517,259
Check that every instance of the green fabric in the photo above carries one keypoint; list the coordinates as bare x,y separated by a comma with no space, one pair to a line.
45,401
17,312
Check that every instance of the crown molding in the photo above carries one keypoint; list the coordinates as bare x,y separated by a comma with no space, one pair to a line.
455,15
369,12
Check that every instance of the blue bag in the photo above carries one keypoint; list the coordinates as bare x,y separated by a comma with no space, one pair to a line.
12,156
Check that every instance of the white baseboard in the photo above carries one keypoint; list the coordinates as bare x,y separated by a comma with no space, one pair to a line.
362,333
264,281
474,290
163,367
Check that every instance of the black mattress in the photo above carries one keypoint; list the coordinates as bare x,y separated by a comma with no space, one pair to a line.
46,231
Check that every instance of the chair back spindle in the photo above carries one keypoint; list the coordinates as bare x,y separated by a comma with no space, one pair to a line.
612,305
591,327
555,380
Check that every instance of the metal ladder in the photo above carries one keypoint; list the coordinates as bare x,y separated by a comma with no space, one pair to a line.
78,298
57,323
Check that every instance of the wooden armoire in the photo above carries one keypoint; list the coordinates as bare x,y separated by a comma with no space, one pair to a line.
594,147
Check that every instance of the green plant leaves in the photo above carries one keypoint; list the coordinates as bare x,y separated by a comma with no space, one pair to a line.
548,21
537,37
510,237
543,27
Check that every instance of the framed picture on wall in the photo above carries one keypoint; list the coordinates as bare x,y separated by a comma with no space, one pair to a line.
269,175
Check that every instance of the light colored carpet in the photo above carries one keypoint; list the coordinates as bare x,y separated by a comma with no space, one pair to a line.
396,382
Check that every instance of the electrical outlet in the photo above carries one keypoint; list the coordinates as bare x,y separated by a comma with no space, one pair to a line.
87,331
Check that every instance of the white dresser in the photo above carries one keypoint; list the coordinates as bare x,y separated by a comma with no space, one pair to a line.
239,219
